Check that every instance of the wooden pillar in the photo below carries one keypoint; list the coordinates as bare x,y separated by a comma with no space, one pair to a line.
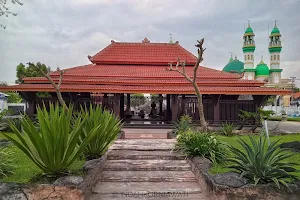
216,103
169,107
117,104
174,107
105,100
128,101
182,103
122,105
160,99
31,100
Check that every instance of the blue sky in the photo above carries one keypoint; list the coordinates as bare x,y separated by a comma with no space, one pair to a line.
62,33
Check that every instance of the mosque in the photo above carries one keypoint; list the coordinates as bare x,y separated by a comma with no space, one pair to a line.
271,75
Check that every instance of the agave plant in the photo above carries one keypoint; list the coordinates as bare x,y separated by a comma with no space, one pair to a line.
261,163
227,129
110,127
53,144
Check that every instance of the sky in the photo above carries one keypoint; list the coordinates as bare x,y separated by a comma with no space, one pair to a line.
62,33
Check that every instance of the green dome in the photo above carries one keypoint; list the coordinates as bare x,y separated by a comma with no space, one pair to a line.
275,30
262,69
249,30
234,66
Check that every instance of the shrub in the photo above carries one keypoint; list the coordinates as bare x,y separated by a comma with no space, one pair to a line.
6,166
110,127
262,164
183,124
202,144
53,143
227,129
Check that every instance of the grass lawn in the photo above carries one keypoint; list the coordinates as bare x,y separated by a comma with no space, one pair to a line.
221,168
279,118
26,169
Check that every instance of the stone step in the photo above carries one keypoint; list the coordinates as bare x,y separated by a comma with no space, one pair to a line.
144,155
148,176
144,145
146,187
147,165
149,196
146,135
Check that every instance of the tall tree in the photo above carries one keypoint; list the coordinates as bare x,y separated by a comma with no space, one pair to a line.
5,11
193,79
32,70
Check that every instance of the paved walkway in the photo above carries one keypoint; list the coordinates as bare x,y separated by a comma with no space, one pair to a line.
284,127
146,169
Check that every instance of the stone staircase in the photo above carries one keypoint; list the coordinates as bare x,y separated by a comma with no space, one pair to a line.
146,169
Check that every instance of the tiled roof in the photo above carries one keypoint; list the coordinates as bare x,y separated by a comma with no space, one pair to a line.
147,89
143,71
146,81
142,53
296,95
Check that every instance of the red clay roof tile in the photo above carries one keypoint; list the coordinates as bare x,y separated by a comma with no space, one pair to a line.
143,53
147,89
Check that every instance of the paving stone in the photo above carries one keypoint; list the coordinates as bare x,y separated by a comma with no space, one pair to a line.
171,196
142,144
144,155
146,135
148,176
146,187
147,165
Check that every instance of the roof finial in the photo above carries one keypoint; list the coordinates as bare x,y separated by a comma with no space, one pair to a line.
262,57
235,57
145,40
248,23
230,54
171,41
275,26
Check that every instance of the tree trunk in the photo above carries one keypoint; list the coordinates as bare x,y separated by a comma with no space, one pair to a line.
203,123
60,99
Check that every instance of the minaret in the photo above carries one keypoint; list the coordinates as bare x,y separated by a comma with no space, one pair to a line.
275,49
248,49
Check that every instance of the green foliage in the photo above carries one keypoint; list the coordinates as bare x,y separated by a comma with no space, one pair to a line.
202,144
30,71
6,166
183,124
14,97
270,101
262,164
265,113
110,127
3,123
52,143
137,100
227,129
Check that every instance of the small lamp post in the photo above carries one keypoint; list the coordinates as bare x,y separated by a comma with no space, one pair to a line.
266,128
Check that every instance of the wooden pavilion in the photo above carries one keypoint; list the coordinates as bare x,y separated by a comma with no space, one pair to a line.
123,68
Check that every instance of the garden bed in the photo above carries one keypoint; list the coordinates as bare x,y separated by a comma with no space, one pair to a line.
232,140
229,186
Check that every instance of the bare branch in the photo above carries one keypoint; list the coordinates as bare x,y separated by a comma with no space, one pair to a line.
60,78
56,87
199,58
